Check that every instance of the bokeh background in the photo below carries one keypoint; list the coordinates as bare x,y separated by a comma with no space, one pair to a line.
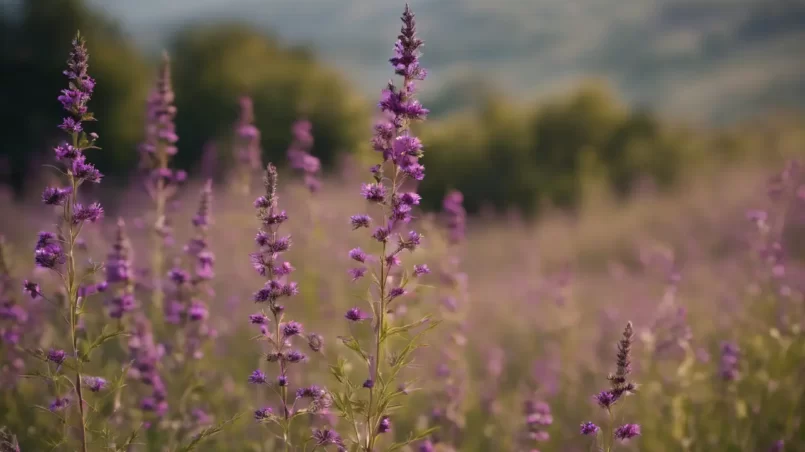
607,150
525,96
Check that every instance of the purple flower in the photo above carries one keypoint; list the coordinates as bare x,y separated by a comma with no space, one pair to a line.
777,446
197,311
300,157
357,273
309,392
56,356
262,203
60,403
384,425
327,437
729,361
178,276
95,384
263,413
357,254
420,270
374,192
54,196
32,289
291,329
453,207
360,221
396,292
627,431
66,152
369,383
588,428
257,377
605,399
258,319
356,315
91,213
381,234
295,357
85,171
71,126
202,217
282,381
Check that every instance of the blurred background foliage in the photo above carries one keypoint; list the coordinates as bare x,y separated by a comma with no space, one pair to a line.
501,152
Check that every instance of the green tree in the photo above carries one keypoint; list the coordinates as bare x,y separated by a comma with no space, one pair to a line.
37,37
216,65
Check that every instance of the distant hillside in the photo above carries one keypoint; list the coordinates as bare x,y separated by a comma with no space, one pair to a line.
715,59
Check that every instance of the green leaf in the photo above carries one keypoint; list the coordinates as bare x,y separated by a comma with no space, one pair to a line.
353,345
100,340
412,437
206,434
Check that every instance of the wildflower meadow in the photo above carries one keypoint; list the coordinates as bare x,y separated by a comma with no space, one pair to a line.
282,307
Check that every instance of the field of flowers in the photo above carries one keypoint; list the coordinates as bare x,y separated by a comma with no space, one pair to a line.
292,311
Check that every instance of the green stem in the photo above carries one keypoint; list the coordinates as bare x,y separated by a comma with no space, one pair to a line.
72,294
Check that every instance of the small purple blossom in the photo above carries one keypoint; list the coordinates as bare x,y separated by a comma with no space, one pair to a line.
32,289
385,425
95,384
627,431
91,213
358,255
263,413
56,356
59,403
357,273
257,377
421,269
54,196
360,221
291,329
356,315
588,428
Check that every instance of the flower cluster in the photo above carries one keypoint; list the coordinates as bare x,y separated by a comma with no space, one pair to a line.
280,336
161,182
187,308
537,418
146,356
299,154
620,386
247,144
119,272
448,412
401,152
729,361
56,251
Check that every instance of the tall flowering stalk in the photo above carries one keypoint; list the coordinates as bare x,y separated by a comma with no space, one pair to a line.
57,251
120,274
161,181
187,310
246,147
451,374
191,285
280,336
299,154
538,418
401,151
620,386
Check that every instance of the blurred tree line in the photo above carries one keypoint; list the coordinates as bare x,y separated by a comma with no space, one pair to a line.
498,152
